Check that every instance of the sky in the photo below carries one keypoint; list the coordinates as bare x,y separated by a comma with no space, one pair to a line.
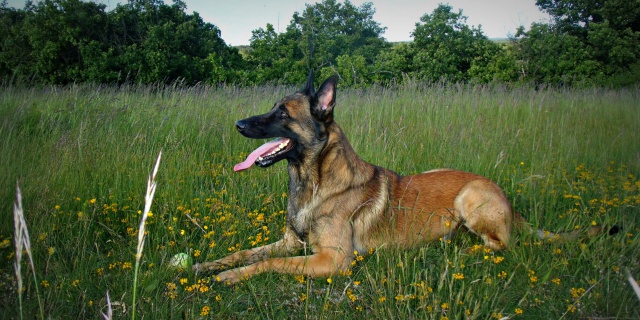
237,18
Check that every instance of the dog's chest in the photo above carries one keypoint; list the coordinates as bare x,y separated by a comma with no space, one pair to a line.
300,218
301,208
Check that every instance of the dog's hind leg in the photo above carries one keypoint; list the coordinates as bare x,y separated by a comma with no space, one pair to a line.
485,211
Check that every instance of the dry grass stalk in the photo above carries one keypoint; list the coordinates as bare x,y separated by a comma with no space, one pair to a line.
23,243
148,199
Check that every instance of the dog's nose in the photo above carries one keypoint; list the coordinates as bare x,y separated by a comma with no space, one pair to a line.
241,126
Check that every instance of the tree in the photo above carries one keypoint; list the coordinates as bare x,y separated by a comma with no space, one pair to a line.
578,16
275,57
154,42
446,47
315,39
394,63
14,63
353,70
496,63
147,41
573,16
53,35
592,40
330,29
551,57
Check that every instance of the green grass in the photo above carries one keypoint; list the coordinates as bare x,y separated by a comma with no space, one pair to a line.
82,154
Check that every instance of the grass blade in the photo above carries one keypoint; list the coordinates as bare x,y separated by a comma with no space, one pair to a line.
109,314
633,283
23,243
148,199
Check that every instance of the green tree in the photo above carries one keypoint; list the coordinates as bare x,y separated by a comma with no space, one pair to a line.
275,56
330,29
15,65
447,48
315,39
53,35
155,42
496,63
147,41
394,63
596,41
551,57
573,16
353,70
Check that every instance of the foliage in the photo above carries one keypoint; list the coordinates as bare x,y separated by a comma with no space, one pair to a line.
588,41
275,57
446,48
337,37
497,63
146,41
394,63
549,57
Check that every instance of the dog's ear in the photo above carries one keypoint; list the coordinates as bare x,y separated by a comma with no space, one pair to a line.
325,99
308,88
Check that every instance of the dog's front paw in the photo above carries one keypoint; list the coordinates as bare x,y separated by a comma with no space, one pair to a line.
208,266
198,267
230,277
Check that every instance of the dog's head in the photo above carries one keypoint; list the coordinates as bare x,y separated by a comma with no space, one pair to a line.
299,122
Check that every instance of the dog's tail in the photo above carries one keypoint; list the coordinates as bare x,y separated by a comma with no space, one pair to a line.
563,236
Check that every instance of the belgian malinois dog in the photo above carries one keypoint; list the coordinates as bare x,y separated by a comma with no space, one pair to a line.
339,204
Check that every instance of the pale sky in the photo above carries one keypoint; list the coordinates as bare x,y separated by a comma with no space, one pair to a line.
237,18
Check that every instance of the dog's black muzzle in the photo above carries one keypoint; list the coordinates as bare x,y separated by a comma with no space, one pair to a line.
241,125
256,127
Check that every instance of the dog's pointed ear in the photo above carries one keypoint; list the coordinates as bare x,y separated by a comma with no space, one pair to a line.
325,99
308,88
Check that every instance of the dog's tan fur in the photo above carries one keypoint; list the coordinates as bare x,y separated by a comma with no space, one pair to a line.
339,203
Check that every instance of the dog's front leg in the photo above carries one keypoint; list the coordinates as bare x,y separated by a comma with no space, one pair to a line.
331,252
289,244
321,264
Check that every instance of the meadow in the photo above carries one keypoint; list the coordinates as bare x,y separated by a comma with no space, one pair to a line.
568,159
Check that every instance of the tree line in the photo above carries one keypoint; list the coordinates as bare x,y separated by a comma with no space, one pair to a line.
594,42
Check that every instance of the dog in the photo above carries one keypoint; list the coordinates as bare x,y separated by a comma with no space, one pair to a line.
339,205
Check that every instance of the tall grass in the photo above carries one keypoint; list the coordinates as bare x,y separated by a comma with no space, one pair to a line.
23,243
567,158
148,200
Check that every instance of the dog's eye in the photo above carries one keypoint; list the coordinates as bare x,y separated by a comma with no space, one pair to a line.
282,115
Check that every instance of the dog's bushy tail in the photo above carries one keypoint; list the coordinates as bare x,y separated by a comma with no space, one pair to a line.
593,231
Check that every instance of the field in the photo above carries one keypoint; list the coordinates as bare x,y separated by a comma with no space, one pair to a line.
567,159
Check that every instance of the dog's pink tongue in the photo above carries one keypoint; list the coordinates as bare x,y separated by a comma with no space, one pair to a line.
251,159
